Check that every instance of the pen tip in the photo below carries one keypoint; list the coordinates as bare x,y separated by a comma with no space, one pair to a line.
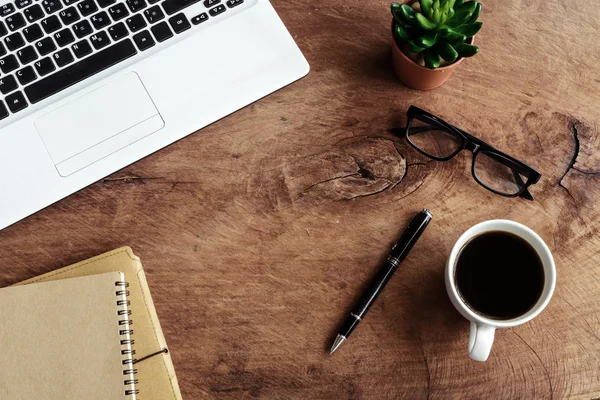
338,342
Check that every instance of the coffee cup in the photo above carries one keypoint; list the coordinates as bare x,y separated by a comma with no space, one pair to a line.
491,291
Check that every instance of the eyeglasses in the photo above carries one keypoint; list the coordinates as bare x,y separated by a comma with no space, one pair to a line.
494,170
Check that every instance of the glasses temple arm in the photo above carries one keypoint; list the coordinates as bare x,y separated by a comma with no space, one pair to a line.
526,193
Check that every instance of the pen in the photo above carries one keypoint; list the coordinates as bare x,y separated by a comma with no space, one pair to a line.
397,255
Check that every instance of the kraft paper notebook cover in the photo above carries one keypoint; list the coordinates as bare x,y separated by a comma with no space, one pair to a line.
156,375
66,340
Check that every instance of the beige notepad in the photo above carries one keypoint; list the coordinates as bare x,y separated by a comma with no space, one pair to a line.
156,375
66,340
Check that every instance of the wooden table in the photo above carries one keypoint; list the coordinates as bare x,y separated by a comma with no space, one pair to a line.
258,233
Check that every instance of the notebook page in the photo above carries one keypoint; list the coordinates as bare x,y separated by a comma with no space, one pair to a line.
61,340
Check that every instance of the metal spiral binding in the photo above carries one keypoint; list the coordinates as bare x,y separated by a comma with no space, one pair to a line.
126,324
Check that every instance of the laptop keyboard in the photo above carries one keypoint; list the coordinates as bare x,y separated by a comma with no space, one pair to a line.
47,46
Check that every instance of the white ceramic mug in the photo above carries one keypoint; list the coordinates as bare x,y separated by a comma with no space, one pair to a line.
482,328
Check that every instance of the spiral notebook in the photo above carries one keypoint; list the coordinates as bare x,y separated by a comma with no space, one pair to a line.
67,340
153,367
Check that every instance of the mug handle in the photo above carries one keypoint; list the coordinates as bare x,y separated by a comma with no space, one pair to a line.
481,339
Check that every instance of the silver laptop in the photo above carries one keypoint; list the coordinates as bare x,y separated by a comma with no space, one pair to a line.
91,86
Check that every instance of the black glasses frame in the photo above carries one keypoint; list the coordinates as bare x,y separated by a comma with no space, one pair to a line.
475,146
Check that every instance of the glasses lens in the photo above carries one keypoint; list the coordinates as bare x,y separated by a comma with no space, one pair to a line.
492,171
432,138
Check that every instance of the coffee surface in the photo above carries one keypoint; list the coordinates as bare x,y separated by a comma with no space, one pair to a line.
499,275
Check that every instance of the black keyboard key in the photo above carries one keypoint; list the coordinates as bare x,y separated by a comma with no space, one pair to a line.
7,9
14,41
81,48
161,32
118,31
69,2
99,40
136,5
26,75
118,11
23,3
8,84
63,57
217,10
16,102
15,21
3,30
2,50
45,46
154,14
51,24
234,3
198,19
153,1
144,40
100,20
82,28
79,71
33,13
9,63
51,5
210,3
105,3
3,110
27,55
33,32
64,37
179,23
87,7
44,66
69,15
135,23
173,6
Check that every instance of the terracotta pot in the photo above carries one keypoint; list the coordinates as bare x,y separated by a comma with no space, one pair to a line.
417,76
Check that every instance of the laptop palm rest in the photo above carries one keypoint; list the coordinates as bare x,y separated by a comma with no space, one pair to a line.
98,124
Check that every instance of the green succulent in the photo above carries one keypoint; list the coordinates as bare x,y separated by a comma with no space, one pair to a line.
441,29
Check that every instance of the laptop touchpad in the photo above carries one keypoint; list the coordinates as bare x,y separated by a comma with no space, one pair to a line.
98,124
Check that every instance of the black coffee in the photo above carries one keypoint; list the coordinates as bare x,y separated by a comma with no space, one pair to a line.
499,275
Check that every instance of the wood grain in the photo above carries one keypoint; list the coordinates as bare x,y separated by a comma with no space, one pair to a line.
258,233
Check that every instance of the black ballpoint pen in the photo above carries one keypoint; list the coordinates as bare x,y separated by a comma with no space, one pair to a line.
397,255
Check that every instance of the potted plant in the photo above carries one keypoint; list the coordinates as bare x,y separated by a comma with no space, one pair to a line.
431,37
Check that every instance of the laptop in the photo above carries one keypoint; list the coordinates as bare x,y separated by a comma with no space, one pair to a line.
88,87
